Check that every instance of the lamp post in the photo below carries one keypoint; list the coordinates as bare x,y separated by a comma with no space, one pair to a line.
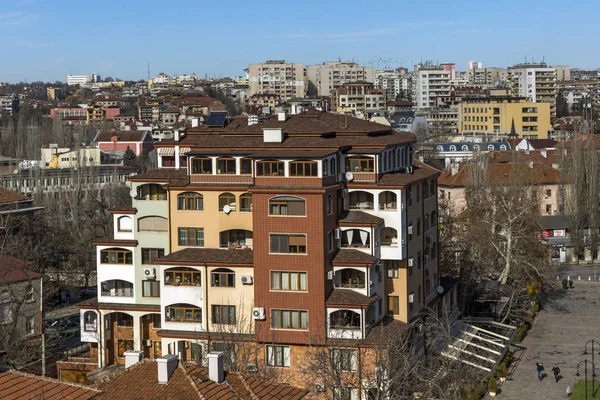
585,363
585,352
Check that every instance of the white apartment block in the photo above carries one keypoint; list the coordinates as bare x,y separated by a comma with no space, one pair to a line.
277,77
430,83
322,79
536,82
82,80
392,82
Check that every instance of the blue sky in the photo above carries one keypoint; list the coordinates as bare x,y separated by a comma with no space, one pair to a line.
47,39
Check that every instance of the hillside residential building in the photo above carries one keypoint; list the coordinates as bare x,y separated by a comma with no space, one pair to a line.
277,77
9,104
138,141
503,115
330,75
82,80
311,229
535,82
360,98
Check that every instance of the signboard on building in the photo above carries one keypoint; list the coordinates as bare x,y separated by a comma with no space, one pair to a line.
559,233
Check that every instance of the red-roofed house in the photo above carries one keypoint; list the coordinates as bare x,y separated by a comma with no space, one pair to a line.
138,141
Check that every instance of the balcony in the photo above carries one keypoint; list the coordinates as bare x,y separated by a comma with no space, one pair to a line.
348,323
349,279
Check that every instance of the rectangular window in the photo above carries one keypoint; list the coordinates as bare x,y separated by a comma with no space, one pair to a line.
226,166
391,267
123,346
343,359
150,289
288,244
29,325
202,166
278,356
289,319
284,205
223,278
303,168
292,281
149,256
191,237
183,314
183,277
116,256
223,315
330,242
29,296
393,305
246,165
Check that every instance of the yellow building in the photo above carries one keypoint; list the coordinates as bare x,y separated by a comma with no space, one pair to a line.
497,114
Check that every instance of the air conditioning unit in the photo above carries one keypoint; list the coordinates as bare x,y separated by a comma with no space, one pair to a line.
148,343
428,239
150,273
410,230
411,262
411,298
247,280
252,368
319,388
330,275
338,233
258,313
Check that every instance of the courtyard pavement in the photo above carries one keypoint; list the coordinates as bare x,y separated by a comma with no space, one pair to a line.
568,320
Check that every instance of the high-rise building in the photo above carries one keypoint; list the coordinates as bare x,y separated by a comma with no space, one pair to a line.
330,75
535,82
395,83
358,97
299,231
474,65
430,82
277,77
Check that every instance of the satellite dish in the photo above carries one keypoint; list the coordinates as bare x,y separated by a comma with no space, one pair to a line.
133,193
226,209
349,176
440,289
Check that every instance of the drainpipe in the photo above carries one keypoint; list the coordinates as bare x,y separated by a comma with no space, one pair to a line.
42,328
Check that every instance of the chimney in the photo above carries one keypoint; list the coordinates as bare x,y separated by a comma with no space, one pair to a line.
530,163
215,367
2,354
177,135
454,168
282,116
166,367
544,152
273,135
133,357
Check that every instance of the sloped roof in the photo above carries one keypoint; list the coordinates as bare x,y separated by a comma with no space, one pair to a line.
356,217
212,256
500,174
13,269
123,136
353,256
420,171
348,297
6,196
19,385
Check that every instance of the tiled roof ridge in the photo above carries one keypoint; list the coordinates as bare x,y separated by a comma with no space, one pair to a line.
52,380
191,381
248,388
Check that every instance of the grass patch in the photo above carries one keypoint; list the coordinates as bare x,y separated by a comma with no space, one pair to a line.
578,390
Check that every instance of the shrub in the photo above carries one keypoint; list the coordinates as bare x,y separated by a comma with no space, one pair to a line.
503,371
492,385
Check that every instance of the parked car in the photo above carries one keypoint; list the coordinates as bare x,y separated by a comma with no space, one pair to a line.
88,292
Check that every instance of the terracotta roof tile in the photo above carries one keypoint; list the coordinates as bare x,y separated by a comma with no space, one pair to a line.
267,391
350,298
356,217
499,174
13,269
18,385
6,196
352,256
420,171
211,256
124,136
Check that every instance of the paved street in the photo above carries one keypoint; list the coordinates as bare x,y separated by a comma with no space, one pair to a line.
569,319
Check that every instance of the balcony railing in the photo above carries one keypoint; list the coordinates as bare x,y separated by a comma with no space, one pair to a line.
118,293
350,285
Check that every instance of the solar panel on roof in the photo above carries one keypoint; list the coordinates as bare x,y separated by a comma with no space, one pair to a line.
216,119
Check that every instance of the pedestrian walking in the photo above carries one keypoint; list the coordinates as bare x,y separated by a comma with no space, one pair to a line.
540,370
556,371
568,391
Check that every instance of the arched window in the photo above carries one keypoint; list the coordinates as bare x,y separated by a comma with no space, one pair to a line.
303,168
270,168
227,199
425,190
356,238
440,148
90,321
426,223
116,288
465,147
225,165
490,147
182,276
202,165
387,201
344,319
476,147
434,219
153,224
332,166
151,191
222,277
246,202
190,201
287,205
402,120
389,236
503,147
434,250
432,187
409,120
124,224
360,200
183,313
452,148
325,164
116,256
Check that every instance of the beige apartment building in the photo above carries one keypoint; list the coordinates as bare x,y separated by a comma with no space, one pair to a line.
277,77
501,114
322,79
